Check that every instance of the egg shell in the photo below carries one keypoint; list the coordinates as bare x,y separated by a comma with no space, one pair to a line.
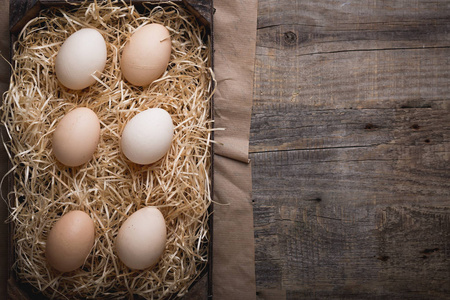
70,241
80,56
146,55
141,239
76,137
147,137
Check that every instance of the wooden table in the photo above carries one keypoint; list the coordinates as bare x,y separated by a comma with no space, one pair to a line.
350,146
350,149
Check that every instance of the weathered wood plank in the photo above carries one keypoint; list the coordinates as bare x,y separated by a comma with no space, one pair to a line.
21,11
290,126
350,146
382,175
305,49
308,27
374,79
334,248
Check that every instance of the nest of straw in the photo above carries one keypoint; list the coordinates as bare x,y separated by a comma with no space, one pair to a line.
109,187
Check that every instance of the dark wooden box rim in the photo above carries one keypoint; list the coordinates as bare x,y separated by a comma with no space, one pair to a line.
203,10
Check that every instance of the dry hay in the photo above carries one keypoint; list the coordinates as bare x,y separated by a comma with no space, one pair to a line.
109,187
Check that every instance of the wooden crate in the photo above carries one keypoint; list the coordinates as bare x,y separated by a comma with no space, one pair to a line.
21,12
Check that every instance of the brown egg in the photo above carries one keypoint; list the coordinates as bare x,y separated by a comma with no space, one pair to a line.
76,137
70,241
146,55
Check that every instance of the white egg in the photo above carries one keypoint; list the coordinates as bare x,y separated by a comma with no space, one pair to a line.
147,137
82,55
141,239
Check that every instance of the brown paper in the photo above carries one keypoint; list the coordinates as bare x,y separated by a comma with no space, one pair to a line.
233,234
233,248
234,59
235,35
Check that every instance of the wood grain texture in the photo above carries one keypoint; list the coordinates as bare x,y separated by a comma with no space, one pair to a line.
350,146
21,11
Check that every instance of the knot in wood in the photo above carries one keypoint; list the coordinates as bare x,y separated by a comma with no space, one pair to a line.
290,38
370,126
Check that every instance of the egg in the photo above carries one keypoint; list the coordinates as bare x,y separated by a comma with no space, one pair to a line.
141,239
70,241
82,55
146,54
76,137
147,137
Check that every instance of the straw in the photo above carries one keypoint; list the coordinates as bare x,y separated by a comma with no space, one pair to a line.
110,187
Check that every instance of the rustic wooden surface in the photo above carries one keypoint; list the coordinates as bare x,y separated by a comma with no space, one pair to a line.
350,146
